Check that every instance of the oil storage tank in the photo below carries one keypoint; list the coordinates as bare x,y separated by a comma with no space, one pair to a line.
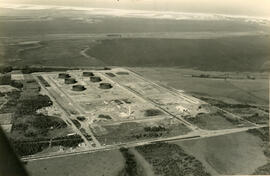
63,75
105,86
95,79
70,81
88,74
78,88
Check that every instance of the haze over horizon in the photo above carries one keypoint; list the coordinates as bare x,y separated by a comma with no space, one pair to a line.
228,7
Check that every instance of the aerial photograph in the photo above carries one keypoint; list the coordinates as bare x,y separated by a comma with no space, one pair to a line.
134,87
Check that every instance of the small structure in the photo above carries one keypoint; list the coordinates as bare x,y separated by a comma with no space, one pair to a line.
88,74
181,108
105,86
78,88
110,74
95,79
122,73
63,75
17,75
70,81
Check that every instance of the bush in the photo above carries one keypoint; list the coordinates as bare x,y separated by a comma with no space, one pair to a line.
5,79
22,148
16,84
131,165
81,118
30,133
76,123
67,141
152,112
20,126
29,106
102,116
5,69
45,122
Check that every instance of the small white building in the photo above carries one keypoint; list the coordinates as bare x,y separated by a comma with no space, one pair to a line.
181,108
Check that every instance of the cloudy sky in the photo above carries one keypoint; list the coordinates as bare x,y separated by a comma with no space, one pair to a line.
231,7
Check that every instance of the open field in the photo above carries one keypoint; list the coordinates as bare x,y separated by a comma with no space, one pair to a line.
239,153
234,91
107,163
223,54
132,131
49,53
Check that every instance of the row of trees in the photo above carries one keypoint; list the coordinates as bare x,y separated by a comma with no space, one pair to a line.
131,165
24,148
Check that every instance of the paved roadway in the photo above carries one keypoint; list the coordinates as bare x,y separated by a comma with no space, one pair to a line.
78,108
66,114
192,136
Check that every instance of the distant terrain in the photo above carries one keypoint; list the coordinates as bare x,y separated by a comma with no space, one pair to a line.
249,53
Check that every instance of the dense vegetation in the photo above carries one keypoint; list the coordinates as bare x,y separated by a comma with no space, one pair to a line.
5,69
263,134
171,159
30,106
32,132
152,112
131,165
23,148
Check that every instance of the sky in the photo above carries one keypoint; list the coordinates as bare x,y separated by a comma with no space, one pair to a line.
230,7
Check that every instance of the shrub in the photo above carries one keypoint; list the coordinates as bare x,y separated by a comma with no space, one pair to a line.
29,106
5,69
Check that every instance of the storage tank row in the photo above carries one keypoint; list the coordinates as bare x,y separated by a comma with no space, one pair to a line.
68,80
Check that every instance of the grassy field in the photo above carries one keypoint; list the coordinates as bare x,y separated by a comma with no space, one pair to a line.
132,131
239,153
108,163
49,53
231,91
223,54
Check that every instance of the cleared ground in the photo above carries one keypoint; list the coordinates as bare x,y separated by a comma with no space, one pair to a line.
107,163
